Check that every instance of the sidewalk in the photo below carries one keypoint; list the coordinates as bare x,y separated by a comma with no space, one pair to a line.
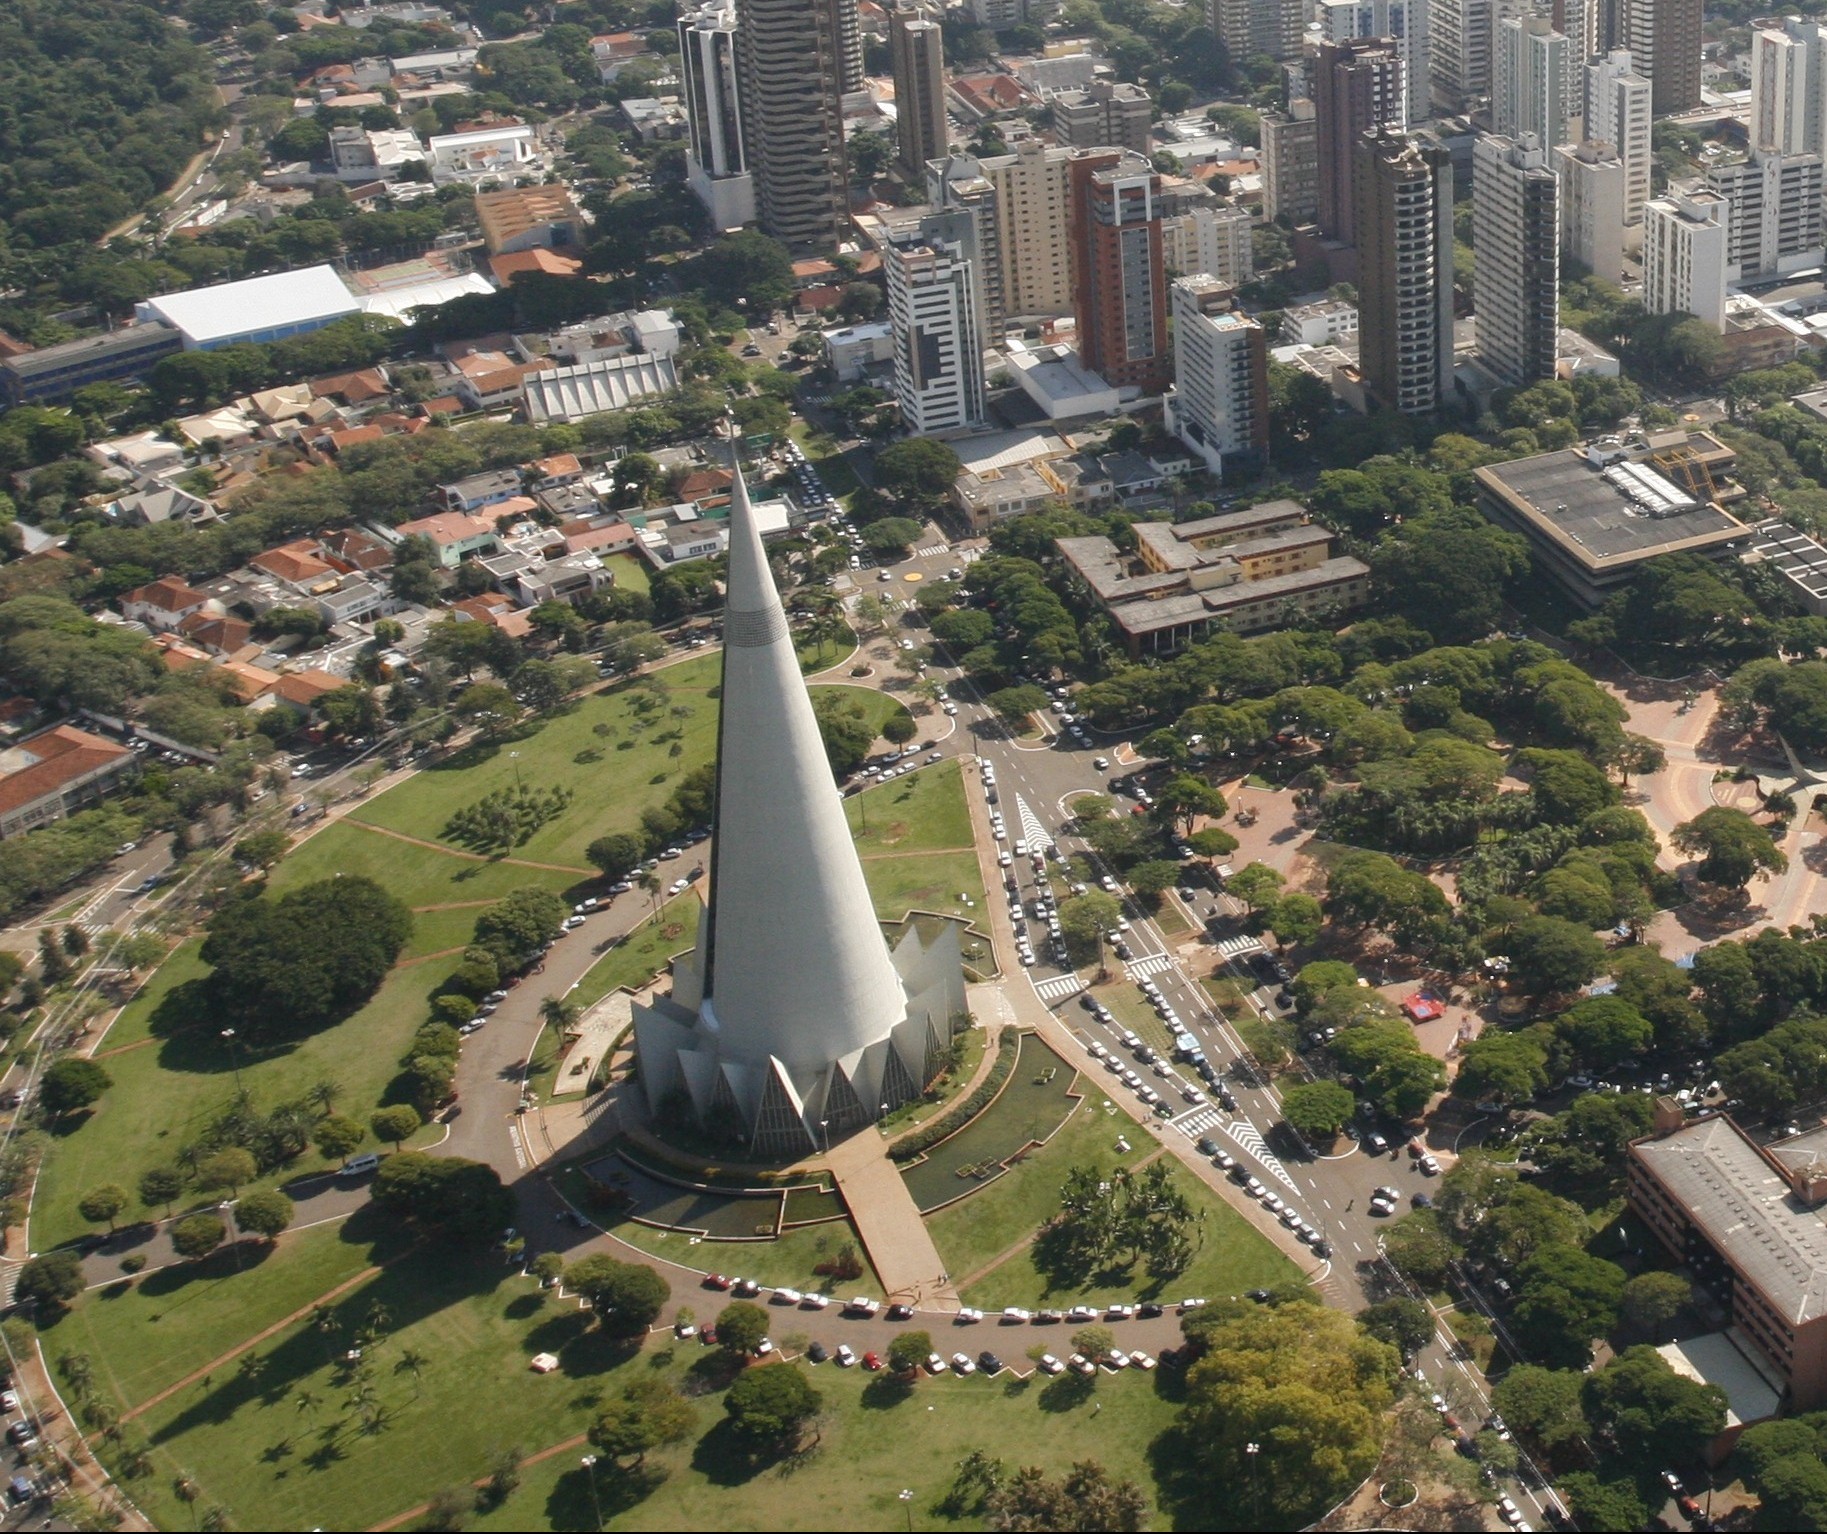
889,1223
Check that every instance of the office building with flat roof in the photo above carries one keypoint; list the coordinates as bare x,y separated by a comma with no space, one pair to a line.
56,372
1594,516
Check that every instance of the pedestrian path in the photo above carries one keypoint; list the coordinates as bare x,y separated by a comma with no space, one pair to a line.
1153,964
1196,1121
1237,947
1059,987
1031,828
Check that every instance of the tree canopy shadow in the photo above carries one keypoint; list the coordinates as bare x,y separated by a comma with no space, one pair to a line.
724,1458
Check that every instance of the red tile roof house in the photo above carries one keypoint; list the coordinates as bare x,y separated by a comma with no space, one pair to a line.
453,534
164,604
42,779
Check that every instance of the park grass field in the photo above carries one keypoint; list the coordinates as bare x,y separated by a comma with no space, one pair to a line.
134,1025
164,1092
630,572
419,875
646,952
922,812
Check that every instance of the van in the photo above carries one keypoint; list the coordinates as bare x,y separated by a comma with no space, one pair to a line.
360,1166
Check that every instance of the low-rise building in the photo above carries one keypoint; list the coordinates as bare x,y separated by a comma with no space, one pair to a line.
48,775
1267,567
1800,560
1595,515
529,218
163,604
852,350
56,372
571,393
480,490
453,534
158,504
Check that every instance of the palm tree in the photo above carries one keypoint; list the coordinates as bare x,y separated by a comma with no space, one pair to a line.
558,1013
650,882
78,1372
323,1095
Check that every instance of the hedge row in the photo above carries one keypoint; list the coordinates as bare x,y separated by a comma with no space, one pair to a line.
921,1140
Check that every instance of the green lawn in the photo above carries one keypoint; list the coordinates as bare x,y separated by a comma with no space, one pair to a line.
635,769
788,1260
646,952
165,1093
875,1441
923,812
135,1022
146,1336
1232,1257
1132,1011
971,1233
833,468
926,881
630,572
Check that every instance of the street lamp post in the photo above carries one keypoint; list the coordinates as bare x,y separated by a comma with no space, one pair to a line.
596,1504
514,757
906,1500
1252,1450
234,1055
824,1128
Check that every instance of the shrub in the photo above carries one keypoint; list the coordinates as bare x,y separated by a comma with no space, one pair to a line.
955,1118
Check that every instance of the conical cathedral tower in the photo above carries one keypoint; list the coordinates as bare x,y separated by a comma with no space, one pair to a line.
792,1012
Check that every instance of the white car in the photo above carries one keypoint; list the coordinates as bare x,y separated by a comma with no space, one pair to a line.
814,1301
786,1297
963,1364
1143,1361
1015,1315
968,1316
934,1364
844,1355
1051,1365
1116,1358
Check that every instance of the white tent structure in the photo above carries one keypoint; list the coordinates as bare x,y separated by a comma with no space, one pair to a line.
791,1021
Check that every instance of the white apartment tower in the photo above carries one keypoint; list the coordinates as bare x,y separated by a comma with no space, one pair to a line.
1529,92
1214,241
1219,405
1684,255
1033,218
716,166
1617,113
936,309
1774,224
1516,283
1789,87
1404,20
1592,208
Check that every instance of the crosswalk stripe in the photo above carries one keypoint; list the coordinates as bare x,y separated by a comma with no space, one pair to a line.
1245,1134
1236,947
1057,986
1153,964
1031,828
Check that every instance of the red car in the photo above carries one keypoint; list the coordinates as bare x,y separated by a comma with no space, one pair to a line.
708,1336
872,1360
715,1281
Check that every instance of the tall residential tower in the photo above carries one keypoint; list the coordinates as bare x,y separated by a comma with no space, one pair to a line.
789,74
1405,272
716,164
1516,283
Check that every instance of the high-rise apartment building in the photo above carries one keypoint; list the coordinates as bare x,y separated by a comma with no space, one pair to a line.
1592,207
1618,114
935,305
1578,22
1664,38
789,78
1118,277
1030,205
1290,163
1774,220
1001,15
1516,283
1212,240
959,183
1529,95
849,47
1405,272
1684,254
1105,114
1459,53
1404,20
916,52
716,164
1246,28
1219,406
1789,86
1358,88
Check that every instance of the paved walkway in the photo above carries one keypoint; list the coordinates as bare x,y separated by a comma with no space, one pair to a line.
889,1224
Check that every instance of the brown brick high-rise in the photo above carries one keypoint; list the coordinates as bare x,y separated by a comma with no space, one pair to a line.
1119,282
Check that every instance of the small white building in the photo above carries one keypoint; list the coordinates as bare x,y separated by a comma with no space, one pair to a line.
493,151
1060,385
853,350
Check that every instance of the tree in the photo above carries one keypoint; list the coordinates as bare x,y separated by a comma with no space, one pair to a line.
462,1199
1603,1031
649,1415
261,849
487,705
1567,1297
1406,1325
1319,979
1295,919
615,855
1542,1405
1084,919
1419,1249
1549,955
1597,1505
891,537
396,1124
1502,1067
772,1406
1303,1384
1093,1341
1151,879
1652,1300
303,959
51,1280
197,1235
1732,848
160,1185
1643,1407
335,1137
1318,1109
71,1083
1184,797
231,1168
918,471
899,728
740,1328
517,926
1256,884
908,1350
1085,1498
1015,704
626,1296
103,1205
266,1213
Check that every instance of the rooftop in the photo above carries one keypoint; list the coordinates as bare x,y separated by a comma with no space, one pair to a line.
569,394
276,302
1593,515
45,763
1794,553
1733,1192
